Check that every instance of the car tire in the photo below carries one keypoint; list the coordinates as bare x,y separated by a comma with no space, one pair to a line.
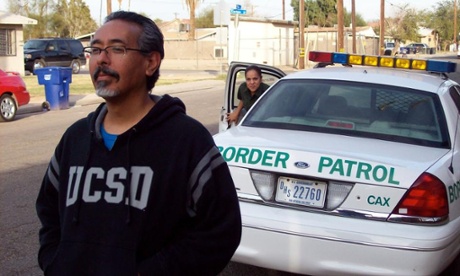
38,63
75,65
8,108
46,106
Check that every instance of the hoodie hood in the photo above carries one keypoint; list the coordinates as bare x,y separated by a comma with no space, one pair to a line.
165,107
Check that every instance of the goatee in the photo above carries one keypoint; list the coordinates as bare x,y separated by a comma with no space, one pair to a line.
103,92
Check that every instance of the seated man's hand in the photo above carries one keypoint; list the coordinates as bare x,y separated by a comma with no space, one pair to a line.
232,117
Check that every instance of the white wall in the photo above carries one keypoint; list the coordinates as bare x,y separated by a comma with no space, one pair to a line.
15,63
261,42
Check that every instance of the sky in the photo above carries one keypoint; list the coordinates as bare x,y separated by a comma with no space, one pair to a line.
170,9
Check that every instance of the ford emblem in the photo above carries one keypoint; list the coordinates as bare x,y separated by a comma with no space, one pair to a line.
301,165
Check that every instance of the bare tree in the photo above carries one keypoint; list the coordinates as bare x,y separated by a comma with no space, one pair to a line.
403,26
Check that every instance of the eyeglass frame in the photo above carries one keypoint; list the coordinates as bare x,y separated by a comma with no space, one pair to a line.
126,49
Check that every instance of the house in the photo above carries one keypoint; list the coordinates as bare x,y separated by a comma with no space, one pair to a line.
12,41
257,40
85,39
178,46
428,36
325,39
262,40
176,29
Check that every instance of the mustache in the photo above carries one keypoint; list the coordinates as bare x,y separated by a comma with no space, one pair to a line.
106,71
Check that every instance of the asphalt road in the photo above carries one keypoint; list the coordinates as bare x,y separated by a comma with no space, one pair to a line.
26,146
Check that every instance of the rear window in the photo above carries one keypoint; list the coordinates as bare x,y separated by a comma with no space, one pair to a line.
356,109
35,45
76,46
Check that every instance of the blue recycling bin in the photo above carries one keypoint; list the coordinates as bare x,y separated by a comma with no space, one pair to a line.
56,81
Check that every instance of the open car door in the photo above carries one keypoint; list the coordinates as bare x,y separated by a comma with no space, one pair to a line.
235,77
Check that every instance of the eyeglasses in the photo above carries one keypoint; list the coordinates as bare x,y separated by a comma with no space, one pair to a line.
110,50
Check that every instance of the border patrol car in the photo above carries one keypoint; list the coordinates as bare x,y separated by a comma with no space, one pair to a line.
350,168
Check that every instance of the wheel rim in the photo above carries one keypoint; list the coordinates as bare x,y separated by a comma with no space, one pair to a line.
8,108
38,65
75,67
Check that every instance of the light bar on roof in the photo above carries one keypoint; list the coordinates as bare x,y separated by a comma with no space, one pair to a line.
383,61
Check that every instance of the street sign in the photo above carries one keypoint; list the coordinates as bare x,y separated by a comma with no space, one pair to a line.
237,11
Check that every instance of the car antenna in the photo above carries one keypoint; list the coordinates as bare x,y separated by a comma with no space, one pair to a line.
444,76
322,64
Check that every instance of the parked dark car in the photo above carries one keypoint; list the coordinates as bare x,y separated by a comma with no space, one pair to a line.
62,52
13,93
389,46
415,48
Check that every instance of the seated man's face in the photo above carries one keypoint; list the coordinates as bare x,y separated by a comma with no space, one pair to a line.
253,80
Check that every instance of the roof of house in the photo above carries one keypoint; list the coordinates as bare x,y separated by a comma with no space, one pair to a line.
15,19
422,31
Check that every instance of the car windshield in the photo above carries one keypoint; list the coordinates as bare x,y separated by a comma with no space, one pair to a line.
35,44
351,108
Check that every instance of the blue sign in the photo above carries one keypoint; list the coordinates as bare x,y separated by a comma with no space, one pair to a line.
238,7
237,11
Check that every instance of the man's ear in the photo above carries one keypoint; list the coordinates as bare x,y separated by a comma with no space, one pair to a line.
153,63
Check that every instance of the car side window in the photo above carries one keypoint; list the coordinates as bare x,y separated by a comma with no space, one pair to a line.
240,78
51,46
455,94
76,46
63,46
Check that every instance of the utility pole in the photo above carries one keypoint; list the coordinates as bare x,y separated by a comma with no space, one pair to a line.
353,25
340,47
284,11
455,25
109,7
301,35
382,27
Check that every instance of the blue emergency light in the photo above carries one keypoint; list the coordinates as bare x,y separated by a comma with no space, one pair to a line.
383,61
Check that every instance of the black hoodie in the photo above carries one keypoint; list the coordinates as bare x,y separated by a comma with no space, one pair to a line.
161,202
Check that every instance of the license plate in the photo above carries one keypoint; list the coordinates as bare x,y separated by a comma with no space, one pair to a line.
301,192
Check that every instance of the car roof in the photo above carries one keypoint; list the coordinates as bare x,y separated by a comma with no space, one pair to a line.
53,38
419,80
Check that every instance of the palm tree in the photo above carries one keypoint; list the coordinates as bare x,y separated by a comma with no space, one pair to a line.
192,5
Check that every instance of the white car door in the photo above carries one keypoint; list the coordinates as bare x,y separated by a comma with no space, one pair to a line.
236,76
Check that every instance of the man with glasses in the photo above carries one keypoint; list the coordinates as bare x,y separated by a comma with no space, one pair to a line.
137,187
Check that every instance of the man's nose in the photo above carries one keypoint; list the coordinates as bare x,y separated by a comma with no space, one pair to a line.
103,57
